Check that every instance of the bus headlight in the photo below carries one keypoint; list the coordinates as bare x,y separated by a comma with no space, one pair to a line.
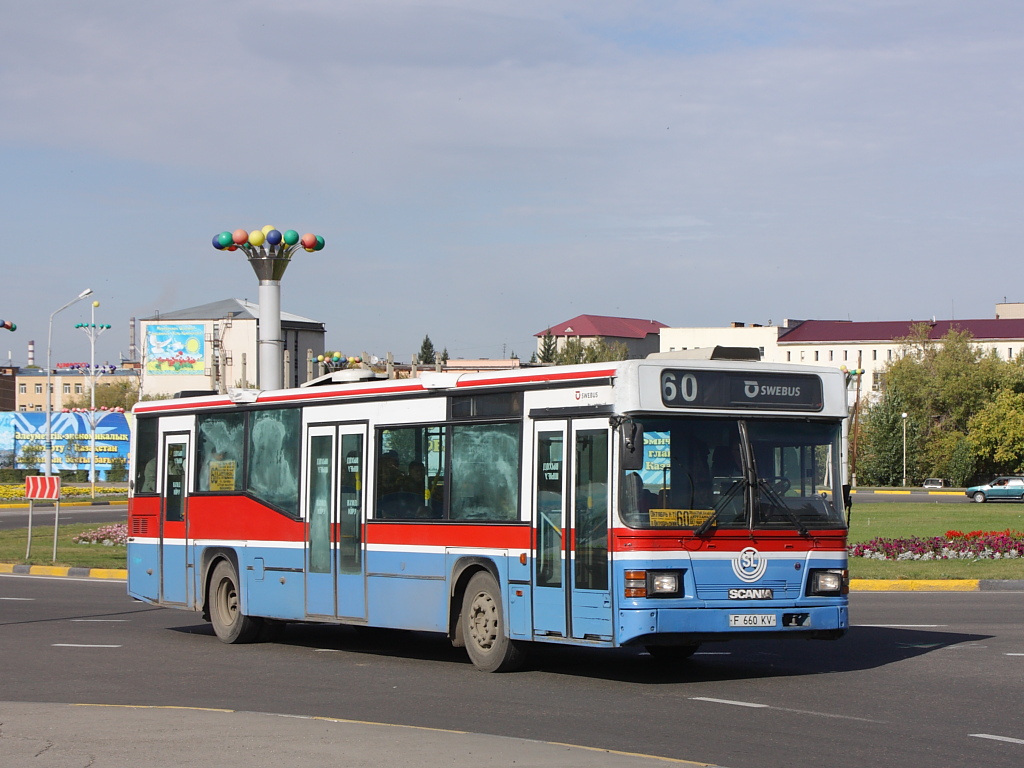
831,582
653,584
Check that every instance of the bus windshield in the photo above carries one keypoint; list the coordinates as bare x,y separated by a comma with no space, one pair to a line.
735,473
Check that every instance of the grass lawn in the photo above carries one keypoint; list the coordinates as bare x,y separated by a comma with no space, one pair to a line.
888,520
903,519
12,548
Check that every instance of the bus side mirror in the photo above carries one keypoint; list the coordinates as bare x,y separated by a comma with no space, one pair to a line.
631,447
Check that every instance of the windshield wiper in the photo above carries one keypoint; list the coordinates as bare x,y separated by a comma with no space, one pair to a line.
704,527
780,504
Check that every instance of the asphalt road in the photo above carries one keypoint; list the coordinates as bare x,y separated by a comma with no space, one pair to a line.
17,517
922,679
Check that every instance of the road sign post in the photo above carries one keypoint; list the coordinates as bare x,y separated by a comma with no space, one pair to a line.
43,488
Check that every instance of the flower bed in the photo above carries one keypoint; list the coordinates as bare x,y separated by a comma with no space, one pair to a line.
17,492
955,545
108,535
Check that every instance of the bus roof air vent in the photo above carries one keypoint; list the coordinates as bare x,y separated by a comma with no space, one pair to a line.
348,376
237,395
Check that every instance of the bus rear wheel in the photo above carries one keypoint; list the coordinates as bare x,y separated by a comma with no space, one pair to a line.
484,630
225,601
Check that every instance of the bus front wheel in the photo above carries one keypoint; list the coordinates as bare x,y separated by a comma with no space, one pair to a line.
483,627
230,624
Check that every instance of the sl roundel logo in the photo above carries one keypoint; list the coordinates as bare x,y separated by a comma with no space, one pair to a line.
749,566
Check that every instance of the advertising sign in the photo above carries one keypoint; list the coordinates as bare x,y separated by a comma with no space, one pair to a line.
23,440
176,348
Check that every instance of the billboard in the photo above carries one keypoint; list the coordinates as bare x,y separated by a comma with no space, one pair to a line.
176,348
23,437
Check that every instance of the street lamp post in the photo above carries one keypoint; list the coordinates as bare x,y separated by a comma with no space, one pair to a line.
904,416
92,331
269,252
49,394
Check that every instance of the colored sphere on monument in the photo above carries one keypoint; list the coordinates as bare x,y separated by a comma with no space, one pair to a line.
239,236
308,240
266,230
256,237
217,243
225,239
274,237
319,244
291,237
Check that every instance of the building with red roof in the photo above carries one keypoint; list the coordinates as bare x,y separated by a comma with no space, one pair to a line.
855,345
641,337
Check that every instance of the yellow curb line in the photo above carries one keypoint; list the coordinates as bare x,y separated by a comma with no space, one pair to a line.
53,570
915,585
24,504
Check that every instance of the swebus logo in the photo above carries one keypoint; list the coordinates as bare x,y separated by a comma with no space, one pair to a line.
749,566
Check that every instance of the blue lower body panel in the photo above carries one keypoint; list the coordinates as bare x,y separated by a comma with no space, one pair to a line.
654,625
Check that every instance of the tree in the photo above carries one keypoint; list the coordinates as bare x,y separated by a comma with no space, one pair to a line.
427,352
997,434
121,393
548,348
599,350
880,459
942,384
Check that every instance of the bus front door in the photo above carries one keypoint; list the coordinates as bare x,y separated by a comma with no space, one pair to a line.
572,596
334,502
174,549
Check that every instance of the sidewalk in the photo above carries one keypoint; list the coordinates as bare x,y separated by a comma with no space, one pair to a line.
76,735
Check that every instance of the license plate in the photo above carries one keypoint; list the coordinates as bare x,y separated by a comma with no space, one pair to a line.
751,619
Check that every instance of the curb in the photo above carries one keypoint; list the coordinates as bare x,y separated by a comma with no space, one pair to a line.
63,504
53,570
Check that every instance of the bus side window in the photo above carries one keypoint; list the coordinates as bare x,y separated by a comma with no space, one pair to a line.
145,467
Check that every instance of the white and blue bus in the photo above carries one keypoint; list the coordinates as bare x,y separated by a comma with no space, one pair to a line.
658,503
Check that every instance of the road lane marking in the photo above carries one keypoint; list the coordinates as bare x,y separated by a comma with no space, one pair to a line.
996,738
81,645
26,599
783,709
730,701
900,626
102,620
1015,654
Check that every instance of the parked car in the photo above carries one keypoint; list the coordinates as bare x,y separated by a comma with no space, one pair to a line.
1009,488
934,482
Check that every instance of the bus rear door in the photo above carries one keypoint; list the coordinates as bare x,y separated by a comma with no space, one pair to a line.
334,502
572,595
174,549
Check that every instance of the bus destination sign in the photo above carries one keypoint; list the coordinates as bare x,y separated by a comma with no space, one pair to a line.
741,389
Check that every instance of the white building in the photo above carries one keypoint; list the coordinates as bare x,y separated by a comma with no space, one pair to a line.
214,346
855,345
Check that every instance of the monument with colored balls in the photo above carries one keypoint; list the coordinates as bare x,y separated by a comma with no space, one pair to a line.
269,252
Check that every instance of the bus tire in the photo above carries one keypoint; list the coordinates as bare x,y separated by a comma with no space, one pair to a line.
672,653
483,627
225,601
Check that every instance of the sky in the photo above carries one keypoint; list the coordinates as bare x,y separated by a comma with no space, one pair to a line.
483,170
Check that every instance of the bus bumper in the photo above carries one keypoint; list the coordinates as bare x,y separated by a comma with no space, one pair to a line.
668,626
